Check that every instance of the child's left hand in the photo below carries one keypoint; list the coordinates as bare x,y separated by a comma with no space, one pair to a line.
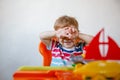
73,32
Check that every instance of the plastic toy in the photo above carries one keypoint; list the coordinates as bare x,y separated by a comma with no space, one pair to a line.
105,61
98,70
43,73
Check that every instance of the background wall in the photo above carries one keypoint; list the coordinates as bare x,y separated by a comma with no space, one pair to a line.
21,21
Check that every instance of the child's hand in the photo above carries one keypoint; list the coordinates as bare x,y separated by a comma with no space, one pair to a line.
63,33
67,32
73,32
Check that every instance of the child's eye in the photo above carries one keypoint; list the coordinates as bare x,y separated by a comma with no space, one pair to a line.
66,27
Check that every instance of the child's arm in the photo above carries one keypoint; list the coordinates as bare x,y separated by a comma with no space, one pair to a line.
46,37
85,37
75,33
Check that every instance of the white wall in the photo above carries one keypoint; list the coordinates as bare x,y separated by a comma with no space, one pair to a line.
21,21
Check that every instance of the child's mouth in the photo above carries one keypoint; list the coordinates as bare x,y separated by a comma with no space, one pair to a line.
67,41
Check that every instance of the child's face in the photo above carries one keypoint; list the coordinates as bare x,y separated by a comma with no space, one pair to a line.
69,40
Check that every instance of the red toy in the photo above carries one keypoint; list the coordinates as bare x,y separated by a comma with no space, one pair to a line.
101,50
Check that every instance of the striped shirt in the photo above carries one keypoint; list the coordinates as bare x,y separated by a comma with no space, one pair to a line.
65,57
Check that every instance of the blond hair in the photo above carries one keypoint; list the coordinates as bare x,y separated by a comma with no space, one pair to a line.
65,21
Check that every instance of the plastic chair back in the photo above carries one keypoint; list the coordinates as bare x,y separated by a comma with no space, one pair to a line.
45,53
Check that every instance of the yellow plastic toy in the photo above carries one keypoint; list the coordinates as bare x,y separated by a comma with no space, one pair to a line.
98,70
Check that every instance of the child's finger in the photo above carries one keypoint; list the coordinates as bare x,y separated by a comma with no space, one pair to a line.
66,28
73,30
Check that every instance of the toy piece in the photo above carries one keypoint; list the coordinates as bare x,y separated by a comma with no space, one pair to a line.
93,50
98,70
43,73
44,68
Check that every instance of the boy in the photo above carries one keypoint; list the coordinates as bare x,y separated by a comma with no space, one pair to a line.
68,46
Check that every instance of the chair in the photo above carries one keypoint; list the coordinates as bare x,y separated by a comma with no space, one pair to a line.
47,57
